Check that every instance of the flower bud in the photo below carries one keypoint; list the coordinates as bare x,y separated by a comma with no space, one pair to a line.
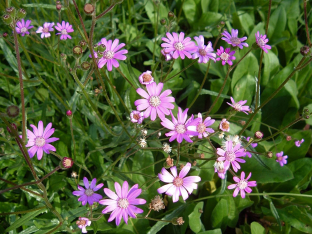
306,114
69,113
85,66
11,11
258,134
83,45
163,22
12,111
95,48
7,19
288,138
88,8
63,56
21,13
77,51
5,35
13,126
101,48
171,15
67,162
58,6
304,50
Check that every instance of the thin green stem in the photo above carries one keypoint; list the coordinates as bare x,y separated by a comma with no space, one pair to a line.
126,78
23,211
168,71
192,63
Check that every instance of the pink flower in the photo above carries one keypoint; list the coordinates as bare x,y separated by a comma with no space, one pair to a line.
122,204
224,125
112,53
233,39
146,78
178,45
298,143
22,27
83,223
136,117
252,145
88,195
282,160
181,128
201,127
64,29
39,140
204,53
225,55
168,56
238,106
178,185
155,102
47,27
219,168
261,42
242,185
231,155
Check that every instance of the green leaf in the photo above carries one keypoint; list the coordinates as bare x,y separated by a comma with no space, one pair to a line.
194,218
215,231
257,228
9,55
271,65
207,20
219,216
212,93
274,211
277,23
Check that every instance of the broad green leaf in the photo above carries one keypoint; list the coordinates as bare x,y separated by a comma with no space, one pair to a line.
219,217
10,58
271,65
194,218
212,93
151,11
273,210
215,231
277,23
257,228
208,19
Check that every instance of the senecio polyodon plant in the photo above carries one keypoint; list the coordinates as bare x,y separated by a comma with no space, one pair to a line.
168,117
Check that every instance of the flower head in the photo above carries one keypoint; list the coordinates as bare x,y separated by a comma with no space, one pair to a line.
219,168
166,147
204,53
225,55
123,203
239,106
282,160
201,126
178,45
178,185
231,155
64,29
181,128
22,27
146,78
224,125
83,223
232,39
261,41
168,56
39,140
136,117
155,102
242,185
157,204
88,195
253,145
45,30
298,143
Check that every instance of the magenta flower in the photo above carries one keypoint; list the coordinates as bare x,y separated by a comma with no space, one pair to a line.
178,45
64,29
146,78
181,128
155,102
112,53
224,125
88,195
201,127
225,55
83,223
282,160
231,155
204,53
22,27
46,29
298,143
123,203
178,185
168,56
242,185
232,39
39,140
261,41
219,168
239,106
136,117
253,145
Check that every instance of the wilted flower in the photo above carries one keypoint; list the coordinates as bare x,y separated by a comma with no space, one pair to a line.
219,168
167,148
204,53
142,142
242,185
168,56
46,29
282,160
64,29
157,204
146,78
136,117
224,125
261,42
239,106
232,39
298,143
83,223
225,55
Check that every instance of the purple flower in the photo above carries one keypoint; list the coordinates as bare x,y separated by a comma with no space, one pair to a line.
225,55
224,125
88,195
168,56
204,53
136,117
64,29
123,203
253,145
261,42
219,168
22,27
282,160
233,39
39,140
201,127
112,53
180,129
155,102
242,185
83,223
178,45
47,27
178,185
298,143
146,78
238,106
231,155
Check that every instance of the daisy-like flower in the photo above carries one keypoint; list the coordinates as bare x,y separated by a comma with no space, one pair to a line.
261,41
282,160
181,128
239,106
22,27
83,223
232,39
123,203
88,194
298,143
178,185
178,45
112,53
219,168
225,55
204,53
146,78
136,117
45,30
39,140
64,29
168,56
155,102
202,126
243,185
253,145
224,125
231,155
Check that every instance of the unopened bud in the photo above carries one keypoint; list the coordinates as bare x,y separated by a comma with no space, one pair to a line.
13,126
58,6
269,154
11,11
63,56
77,51
304,50
242,122
258,134
306,114
88,8
85,66
171,15
288,138
83,45
101,48
163,22
12,111
5,35
67,162
222,23
202,155
69,113
21,13
7,19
